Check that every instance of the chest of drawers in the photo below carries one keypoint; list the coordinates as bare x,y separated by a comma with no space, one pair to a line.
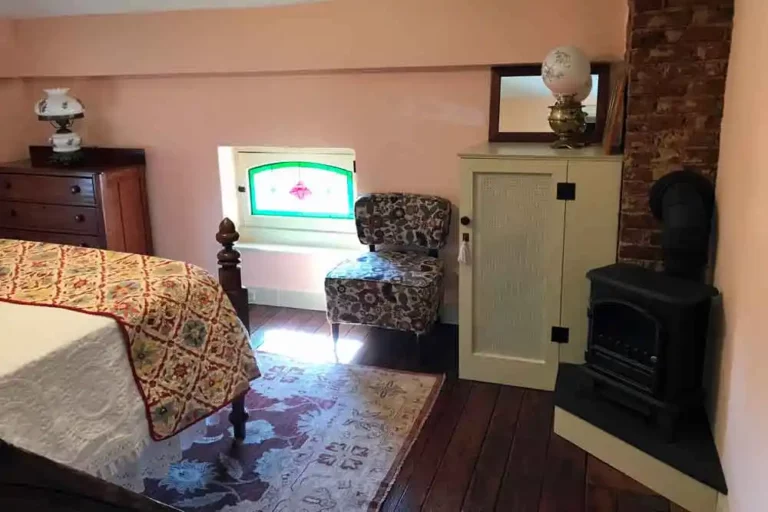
101,202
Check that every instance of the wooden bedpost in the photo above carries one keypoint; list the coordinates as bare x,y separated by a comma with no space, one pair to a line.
232,283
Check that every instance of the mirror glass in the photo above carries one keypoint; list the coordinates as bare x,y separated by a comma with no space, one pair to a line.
524,104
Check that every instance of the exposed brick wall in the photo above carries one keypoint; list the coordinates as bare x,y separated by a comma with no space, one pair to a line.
678,58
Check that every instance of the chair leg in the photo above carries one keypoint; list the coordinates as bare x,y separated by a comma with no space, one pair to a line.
421,349
335,333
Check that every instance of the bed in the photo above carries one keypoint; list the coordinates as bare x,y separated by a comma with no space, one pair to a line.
97,385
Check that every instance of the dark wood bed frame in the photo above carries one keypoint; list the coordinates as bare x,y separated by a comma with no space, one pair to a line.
34,483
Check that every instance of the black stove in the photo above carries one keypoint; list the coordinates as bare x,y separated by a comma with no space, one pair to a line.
647,340
648,329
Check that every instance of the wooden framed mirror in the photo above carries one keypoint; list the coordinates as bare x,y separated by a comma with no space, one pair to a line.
520,104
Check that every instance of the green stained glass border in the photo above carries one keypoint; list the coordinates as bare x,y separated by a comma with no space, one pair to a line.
255,210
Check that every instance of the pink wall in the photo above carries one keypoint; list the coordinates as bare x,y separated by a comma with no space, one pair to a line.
180,84
7,48
406,128
336,34
741,412
16,121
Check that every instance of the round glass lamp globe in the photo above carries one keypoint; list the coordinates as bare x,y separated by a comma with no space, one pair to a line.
565,70
584,91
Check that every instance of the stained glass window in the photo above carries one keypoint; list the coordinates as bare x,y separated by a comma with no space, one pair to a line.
301,189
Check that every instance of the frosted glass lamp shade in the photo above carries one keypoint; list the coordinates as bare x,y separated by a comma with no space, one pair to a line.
59,104
566,70
584,91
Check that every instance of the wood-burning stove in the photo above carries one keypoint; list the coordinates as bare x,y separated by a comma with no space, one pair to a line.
647,338
647,330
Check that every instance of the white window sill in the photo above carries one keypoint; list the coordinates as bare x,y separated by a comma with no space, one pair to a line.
300,249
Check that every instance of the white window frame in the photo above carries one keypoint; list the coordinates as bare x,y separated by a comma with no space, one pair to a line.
270,232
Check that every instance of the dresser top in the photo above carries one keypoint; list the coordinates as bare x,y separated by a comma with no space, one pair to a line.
95,160
535,150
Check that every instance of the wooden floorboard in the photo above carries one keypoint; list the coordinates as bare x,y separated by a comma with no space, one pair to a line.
486,479
443,403
631,502
316,321
420,482
521,485
484,447
564,487
259,315
600,499
456,468
276,321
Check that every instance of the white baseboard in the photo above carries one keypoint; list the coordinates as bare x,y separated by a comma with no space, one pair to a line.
665,480
315,301
449,314
287,298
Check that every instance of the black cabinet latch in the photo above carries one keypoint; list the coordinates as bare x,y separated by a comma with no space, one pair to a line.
566,191
560,334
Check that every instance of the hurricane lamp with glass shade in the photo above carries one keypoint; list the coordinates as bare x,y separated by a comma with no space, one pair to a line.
566,71
61,110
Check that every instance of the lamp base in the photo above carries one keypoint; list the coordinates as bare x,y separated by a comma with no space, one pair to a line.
569,122
568,144
65,159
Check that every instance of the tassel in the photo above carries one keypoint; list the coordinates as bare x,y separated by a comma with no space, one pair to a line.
464,250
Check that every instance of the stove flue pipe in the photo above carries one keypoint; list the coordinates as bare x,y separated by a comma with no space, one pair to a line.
683,201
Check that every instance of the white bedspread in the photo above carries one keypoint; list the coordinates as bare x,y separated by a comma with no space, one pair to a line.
67,392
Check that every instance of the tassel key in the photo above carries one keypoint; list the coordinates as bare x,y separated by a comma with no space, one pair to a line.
464,249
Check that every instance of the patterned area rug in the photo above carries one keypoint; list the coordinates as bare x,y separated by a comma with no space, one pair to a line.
320,437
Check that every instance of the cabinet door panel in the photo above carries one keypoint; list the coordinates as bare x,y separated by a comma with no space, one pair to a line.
510,290
592,227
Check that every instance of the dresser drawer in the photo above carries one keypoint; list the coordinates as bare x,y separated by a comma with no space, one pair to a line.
49,217
47,189
53,238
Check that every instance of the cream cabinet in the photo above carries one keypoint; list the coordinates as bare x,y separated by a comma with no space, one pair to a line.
535,221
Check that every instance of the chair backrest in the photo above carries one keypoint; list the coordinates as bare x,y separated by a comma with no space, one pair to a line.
403,220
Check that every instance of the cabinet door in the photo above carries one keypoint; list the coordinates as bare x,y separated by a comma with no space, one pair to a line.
591,231
510,289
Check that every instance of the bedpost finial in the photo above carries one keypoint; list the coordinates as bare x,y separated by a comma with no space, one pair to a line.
227,234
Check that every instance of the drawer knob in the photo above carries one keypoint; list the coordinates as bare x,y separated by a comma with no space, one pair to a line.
79,217
75,189
83,244
464,221
7,184
13,213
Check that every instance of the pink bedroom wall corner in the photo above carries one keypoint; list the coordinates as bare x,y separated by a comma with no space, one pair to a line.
741,415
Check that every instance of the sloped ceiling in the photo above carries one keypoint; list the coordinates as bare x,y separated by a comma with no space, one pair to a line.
43,8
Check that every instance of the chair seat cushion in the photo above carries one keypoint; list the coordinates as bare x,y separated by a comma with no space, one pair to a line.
396,290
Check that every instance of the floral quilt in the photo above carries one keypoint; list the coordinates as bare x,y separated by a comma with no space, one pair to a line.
189,352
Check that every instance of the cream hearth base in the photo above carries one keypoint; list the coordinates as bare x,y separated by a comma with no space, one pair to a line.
677,487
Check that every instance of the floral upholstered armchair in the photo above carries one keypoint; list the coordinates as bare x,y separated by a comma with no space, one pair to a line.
394,289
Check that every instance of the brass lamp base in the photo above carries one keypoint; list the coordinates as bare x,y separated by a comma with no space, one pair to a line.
569,122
